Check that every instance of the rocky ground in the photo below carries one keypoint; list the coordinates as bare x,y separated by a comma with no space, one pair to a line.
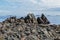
29,28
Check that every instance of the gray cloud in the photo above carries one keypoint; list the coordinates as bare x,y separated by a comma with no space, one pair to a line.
24,6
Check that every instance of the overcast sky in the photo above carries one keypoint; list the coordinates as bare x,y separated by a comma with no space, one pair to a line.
22,7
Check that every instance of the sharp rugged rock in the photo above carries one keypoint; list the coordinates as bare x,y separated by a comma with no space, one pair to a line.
43,20
29,28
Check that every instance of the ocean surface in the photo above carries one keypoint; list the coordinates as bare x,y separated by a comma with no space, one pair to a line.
54,19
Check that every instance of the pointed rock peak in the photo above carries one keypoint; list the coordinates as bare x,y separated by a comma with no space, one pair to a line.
42,14
44,18
30,18
22,18
31,15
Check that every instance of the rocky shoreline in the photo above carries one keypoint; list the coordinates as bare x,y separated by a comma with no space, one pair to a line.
29,28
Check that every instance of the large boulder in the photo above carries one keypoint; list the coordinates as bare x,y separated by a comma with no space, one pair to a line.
43,19
30,18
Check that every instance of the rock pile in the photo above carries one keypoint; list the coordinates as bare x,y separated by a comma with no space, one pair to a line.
28,28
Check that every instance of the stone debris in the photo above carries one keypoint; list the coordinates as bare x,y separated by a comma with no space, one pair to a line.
29,28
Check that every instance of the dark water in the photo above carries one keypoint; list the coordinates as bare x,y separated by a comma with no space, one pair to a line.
53,19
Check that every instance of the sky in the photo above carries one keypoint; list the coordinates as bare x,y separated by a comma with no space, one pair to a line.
23,7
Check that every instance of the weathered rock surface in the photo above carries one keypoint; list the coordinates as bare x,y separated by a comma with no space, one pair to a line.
43,20
29,28
30,18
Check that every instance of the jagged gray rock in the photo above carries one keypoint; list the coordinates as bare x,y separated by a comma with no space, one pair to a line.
43,20
33,29
30,18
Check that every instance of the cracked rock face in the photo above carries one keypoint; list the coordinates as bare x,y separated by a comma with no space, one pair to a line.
43,20
28,28
30,18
